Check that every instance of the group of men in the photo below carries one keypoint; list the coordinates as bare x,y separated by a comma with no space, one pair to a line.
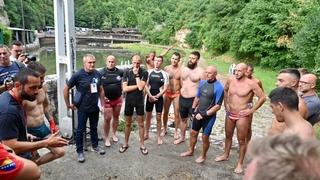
196,95
25,107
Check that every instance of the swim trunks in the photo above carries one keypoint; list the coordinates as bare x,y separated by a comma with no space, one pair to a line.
41,131
171,94
113,103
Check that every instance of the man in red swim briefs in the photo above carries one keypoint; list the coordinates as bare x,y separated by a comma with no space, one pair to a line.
238,93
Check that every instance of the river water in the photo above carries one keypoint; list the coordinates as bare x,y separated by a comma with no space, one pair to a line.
47,57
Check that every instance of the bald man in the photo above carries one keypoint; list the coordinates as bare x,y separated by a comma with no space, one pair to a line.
307,87
207,103
288,78
134,81
239,91
111,79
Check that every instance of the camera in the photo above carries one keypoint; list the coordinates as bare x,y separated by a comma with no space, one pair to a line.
31,57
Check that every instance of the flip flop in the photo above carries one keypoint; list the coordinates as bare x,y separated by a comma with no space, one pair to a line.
144,150
123,149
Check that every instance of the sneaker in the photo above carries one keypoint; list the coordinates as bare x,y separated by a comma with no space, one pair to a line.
98,150
81,158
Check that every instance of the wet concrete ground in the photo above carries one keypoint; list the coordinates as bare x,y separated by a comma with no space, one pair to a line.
162,162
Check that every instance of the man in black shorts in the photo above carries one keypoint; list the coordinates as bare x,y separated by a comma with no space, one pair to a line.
190,78
157,85
134,80
206,104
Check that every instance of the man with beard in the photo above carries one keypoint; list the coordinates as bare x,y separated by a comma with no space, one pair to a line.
172,94
36,112
288,78
190,77
307,87
238,94
13,122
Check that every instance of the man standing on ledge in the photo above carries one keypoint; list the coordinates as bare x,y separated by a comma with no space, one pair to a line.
89,89
190,77
206,104
238,92
134,81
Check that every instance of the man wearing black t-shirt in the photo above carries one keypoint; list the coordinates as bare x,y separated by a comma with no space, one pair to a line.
112,84
134,80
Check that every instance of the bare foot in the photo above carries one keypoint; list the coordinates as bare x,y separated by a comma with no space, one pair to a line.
200,159
178,141
107,143
176,136
160,141
187,153
146,137
221,158
163,133
115,138
238,169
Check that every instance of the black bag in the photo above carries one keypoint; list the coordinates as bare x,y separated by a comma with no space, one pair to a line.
77,98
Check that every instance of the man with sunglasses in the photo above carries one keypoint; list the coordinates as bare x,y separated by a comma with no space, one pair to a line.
307,87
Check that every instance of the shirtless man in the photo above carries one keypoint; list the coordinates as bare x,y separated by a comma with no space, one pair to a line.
288,78
249,75
150,57
190,78
284,105
36,112
172,94
238,92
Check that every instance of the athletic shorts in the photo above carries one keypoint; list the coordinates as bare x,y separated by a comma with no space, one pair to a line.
113,103
206,125
131,105
158,104
9,165
185,105
40,132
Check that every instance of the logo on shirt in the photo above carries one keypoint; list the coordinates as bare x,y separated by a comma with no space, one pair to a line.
119,78
94,80
7,165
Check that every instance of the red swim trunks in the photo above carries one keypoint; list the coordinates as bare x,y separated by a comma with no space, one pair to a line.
172,95
113,103
9,166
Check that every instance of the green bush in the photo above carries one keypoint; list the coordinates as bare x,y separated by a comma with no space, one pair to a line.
263,31
7,34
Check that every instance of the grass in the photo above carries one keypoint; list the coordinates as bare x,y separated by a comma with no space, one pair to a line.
122,124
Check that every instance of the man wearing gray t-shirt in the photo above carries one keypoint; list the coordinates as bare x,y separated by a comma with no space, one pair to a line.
307,86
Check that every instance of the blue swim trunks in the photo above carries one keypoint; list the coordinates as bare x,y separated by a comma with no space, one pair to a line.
41,131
